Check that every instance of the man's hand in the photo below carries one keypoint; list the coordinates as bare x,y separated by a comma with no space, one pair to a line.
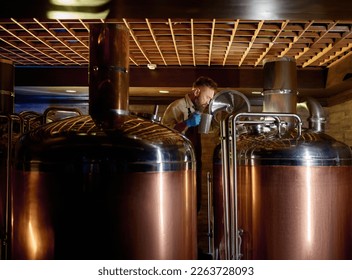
193,120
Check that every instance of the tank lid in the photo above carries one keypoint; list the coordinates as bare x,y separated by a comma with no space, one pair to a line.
311,149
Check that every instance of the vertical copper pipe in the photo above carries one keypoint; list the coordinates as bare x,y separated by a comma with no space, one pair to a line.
7,96
108,71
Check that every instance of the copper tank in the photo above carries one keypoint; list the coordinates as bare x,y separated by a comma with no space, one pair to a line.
290,190
109,185
6,110
294,198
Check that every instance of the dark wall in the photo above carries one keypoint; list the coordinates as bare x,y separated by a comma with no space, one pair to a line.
162,77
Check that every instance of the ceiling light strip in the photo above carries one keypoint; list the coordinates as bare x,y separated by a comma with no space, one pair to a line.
62,42
174,40
233,34
211,41
260,24
23,41
136,41
155,41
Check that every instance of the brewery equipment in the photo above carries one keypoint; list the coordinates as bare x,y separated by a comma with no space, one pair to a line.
226,102
286,190
110,185
7,137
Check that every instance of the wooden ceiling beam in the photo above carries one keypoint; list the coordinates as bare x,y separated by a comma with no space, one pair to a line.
161,77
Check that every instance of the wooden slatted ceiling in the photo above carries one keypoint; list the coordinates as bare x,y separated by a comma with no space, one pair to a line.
181,42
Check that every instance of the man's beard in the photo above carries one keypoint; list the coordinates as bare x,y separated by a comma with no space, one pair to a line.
203,108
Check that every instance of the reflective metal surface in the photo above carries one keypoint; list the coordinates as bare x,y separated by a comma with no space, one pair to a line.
280,87
280,73
137,144
218,202
317,118
228,102
295,212
108,71
106,186
7,98
84,193
294,197
286,191
311,149
128,215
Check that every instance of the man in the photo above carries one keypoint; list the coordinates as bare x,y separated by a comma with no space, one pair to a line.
185,112
184,115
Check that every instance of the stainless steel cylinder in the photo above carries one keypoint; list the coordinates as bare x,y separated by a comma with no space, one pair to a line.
280,87
280,73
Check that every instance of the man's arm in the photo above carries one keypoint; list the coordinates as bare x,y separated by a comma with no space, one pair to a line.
181,126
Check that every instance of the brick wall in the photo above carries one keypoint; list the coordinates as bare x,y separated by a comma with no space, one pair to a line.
339,122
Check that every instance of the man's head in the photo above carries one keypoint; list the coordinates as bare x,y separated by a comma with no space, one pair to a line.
203,91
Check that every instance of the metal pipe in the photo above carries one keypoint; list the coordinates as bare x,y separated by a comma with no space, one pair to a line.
317,118
108,72
313,171
231,102
235,236
7,192
210,216
233,193
156,109
225,182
